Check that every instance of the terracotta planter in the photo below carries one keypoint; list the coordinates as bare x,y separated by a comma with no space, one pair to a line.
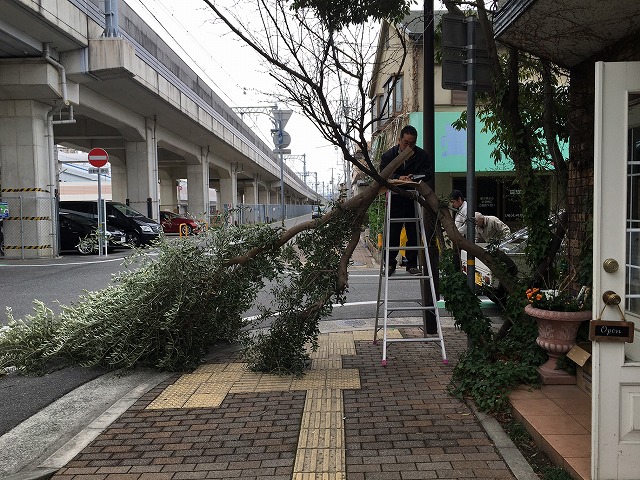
557,335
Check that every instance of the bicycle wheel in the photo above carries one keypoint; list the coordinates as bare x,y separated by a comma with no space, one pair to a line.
86,245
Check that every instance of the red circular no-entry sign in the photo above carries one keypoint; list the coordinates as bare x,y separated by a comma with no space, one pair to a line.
98,157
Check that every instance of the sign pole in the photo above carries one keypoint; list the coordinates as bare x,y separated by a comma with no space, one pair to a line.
101,221
280,146
98,157
471,146
281,140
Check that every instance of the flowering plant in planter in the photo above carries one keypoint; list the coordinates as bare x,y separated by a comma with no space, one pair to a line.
558,300
558,316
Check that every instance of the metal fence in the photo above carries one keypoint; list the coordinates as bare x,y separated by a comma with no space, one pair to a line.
28,230
245,214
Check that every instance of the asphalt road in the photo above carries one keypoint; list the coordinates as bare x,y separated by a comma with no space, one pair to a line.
60,280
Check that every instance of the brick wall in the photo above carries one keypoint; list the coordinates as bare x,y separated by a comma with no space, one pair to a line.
580,186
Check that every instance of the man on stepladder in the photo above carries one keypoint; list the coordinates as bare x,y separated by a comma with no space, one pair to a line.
415,168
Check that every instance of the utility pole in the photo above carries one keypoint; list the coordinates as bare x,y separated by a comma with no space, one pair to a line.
428,143
281,139
303,159
264,110
332,183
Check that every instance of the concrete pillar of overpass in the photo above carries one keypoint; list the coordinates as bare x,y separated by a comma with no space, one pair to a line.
118,179
29,179
228,193
251,193
251,201
198,184
264,196
168,191
142,175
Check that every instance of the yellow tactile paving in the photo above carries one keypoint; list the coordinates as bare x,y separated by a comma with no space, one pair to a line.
205,400
348,378
320,454
326,363
317,460
368,334
319,476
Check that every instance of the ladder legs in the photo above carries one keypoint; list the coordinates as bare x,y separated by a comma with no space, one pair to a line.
428,307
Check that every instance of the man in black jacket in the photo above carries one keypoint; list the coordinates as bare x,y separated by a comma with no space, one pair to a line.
416,168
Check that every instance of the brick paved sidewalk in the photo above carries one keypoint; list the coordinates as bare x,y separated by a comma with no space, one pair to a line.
349,418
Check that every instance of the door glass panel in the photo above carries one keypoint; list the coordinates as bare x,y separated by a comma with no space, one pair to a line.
632,256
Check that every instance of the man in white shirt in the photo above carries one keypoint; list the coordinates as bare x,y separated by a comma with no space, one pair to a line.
460,204
489,228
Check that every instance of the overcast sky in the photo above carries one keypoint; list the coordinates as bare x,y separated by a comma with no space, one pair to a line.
233,71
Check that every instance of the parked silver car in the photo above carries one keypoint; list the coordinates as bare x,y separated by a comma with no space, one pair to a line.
513,246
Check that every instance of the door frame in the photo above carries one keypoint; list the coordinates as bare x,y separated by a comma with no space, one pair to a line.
615,433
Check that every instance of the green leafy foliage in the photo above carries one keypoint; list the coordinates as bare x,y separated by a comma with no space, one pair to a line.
490,368
301,298
376,214
461,302
165,313
338,14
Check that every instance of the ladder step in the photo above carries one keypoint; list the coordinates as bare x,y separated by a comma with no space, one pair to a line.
404,220
405,325
408,309
401,300
396,306
395,278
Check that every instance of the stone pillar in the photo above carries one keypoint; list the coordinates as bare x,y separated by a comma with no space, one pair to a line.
252,213
264,196
118,179
168,190
29,179
198,184
228,193
251,193
142,175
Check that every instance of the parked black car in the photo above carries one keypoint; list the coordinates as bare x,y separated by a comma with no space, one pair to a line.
138,229
78,232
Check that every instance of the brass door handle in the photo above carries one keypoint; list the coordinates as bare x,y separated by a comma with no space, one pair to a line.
611,298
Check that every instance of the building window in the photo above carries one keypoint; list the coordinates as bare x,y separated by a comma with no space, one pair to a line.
398,95
389,99
394,92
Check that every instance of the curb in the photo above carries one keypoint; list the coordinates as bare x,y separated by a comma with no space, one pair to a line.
514,459
25,464
40,474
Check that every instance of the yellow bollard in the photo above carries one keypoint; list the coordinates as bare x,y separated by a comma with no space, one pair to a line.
379,240
403,241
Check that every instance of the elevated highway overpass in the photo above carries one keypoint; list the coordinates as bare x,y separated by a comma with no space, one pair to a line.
64,80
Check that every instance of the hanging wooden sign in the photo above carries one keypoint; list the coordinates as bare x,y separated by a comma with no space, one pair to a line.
610,331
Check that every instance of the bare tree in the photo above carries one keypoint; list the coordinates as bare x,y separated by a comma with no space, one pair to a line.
324,73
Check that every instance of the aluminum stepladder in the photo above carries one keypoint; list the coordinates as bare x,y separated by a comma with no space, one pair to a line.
400,281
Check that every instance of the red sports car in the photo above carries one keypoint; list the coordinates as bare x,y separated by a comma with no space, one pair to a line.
174,223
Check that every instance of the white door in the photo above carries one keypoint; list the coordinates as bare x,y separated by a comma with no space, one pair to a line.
616,235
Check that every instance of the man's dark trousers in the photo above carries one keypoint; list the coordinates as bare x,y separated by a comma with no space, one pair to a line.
402,207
